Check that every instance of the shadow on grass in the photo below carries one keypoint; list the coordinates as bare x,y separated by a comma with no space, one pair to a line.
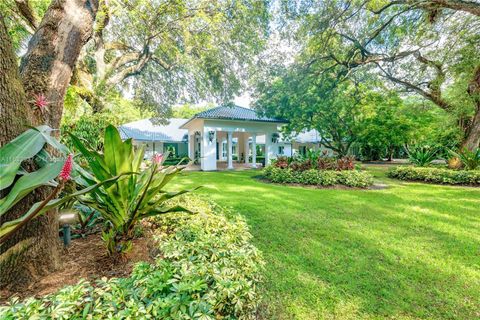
411,250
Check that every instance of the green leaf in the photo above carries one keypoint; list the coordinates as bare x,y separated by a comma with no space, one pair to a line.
13,224
158,211
29,182
23,147
95,160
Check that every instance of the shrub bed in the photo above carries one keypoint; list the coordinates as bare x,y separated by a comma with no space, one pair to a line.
350,178
436,175
206,269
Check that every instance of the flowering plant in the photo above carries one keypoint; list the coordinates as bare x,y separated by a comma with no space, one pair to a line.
123,203
50,171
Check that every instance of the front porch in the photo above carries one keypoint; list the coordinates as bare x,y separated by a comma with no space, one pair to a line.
231,134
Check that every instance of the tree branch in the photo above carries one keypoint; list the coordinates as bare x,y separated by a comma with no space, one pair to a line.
26,11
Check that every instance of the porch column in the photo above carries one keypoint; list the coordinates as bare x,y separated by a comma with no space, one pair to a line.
190,146
246,147
208,152
254,150
229,150
271,148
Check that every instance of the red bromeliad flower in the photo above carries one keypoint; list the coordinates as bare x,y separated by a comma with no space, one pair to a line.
157,158
40,102
67,169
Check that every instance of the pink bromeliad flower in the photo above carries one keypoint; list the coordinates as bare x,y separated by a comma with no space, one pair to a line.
40,102
157,158
67,169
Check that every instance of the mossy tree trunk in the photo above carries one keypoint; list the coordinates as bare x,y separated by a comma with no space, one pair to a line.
45,69
472,139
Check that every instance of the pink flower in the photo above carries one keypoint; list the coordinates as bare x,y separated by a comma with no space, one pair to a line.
40,102
157,158
67,169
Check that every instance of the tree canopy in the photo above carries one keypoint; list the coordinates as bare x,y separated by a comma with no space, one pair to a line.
162,52
428,49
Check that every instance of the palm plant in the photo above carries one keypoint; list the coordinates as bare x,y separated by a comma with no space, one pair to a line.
126,201
470,159
422,156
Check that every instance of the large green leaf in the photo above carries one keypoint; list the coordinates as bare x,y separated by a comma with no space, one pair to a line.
95,160
163,210
13,224
29,182
23,147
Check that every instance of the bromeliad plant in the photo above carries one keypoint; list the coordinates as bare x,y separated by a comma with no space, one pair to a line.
422,156
126,201
469,159
28,150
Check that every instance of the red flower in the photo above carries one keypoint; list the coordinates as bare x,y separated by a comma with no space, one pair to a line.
67,169
40,102
157,158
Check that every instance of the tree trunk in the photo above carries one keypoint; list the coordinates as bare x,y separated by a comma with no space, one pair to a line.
45,69
472,138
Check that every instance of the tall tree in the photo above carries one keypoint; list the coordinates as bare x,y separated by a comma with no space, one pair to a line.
166,50
322,103
45,70
429,48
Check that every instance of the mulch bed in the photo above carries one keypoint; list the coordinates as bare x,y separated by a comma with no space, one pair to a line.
86,258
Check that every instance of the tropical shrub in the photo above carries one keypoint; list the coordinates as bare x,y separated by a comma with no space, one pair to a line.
422,156
44,170
454,163
350,178
469,159
123,203
326,163
208,269
346,163
314,160
436,175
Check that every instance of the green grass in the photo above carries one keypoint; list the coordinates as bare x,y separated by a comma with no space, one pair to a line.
411,251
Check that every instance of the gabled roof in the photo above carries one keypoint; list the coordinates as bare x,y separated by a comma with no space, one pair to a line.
146,130
234,113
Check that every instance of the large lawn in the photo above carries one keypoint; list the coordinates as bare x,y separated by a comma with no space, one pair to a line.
409,251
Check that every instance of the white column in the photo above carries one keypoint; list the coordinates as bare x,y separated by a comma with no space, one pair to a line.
254,150
271,148
190,143
246,146
208,159
229,151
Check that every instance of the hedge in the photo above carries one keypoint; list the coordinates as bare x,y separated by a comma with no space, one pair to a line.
436,175
350,178
207,269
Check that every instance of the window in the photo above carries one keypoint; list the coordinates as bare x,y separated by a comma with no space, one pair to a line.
302,150
224,149
281,150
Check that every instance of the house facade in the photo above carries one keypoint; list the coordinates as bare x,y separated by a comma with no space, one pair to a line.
222,134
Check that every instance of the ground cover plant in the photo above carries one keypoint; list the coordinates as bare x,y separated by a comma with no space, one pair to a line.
207,269
404,252
436,175
317,169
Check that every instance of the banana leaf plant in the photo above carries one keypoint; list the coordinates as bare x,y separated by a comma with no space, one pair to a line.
124,202
16,183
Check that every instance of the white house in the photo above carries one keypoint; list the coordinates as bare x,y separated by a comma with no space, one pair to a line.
225,133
